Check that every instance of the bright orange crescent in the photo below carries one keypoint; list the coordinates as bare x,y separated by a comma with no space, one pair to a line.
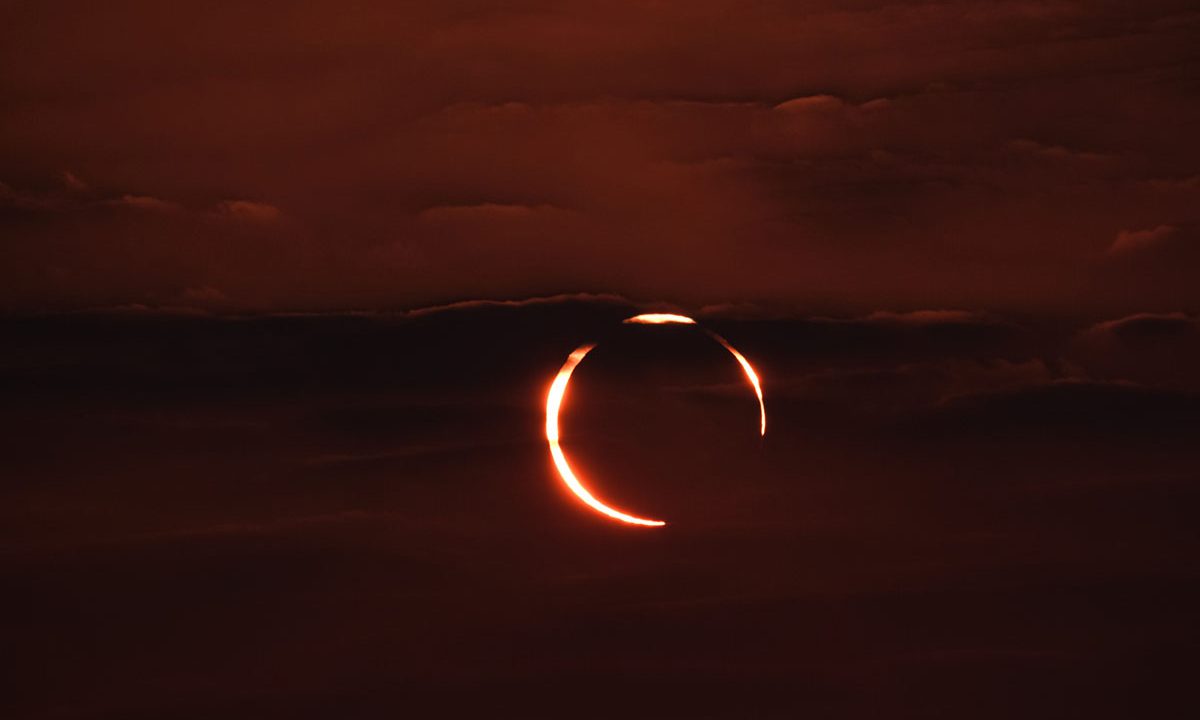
558,391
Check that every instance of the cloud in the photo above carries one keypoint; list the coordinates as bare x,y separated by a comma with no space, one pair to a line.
1178,184
147,203
76,197
909,387
1130,241
829,103
204,295
774,177
73,182
1147,269
248,211
931,317
1055,152
1118,408
15,199
601,299
811,103
1151,349
1145,326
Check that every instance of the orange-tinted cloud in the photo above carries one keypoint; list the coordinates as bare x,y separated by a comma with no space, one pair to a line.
1128,241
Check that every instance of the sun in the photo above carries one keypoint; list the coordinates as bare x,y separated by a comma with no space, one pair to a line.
556,396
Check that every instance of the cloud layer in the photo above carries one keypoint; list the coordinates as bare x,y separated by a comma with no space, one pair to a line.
315,514
827,154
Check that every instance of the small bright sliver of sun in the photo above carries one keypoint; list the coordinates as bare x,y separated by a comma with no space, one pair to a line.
659,319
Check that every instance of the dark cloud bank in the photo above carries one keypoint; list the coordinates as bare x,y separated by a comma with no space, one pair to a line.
952,514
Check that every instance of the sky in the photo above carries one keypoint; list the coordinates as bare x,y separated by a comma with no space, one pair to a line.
843,156
283,287
951,515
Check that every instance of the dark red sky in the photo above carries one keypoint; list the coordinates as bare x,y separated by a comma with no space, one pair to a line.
858,155
958,240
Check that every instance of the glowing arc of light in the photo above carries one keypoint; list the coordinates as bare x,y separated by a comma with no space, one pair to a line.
659,319
558,391
554,400
752,377
671,318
